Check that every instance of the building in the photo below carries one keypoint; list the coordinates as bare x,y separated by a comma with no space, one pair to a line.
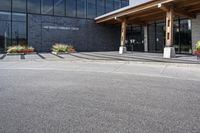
167,26
41,23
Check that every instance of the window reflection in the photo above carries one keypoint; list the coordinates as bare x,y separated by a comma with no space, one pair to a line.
5,5
125,3
33,6
5,30
81,8
117,4
47,7
100,7
59,7
71,8
91,8
109,5
19,5
19,29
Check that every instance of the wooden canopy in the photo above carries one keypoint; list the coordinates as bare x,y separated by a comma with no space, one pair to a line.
151,11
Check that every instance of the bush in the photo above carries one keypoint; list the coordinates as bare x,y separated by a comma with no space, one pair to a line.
59,48
20,49
197,47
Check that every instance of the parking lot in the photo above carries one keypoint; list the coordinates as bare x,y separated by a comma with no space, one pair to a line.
85,93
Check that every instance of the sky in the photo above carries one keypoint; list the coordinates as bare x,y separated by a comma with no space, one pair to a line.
136,2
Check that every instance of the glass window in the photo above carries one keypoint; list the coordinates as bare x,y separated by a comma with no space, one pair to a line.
33,6
47,7
19,29
100,7
125,3
117,4
5,16
5,5
91,8
71,8
81,8
59,7
109,5
185,36
19,5
5,30
152,37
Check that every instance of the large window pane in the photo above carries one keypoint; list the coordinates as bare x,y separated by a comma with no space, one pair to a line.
185,36
91,8
5,30
81,8
100,7
5,5
117,4
33,6
19,29
109,5
59,7
125,3
5,16
71,8
19,5
47,7
152,37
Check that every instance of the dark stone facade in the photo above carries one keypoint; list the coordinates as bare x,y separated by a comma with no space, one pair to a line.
83,34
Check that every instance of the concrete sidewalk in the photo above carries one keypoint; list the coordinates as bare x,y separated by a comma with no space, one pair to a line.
102,56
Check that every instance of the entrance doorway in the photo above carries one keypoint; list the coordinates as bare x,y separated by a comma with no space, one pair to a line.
135,38
182,36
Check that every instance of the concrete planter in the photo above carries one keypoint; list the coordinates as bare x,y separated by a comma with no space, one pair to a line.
59,53
28,53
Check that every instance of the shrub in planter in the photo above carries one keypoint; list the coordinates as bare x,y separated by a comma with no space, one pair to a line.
197,49
20,49
62,48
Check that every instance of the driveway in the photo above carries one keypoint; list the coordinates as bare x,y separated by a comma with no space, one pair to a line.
78,96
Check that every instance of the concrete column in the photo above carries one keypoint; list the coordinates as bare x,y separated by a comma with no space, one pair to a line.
122,48
145,38
169,50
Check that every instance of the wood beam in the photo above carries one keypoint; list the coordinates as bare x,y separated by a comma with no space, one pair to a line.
123,32
132,11
184,13
169,27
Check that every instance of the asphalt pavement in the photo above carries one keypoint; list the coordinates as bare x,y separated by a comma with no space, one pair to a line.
99,97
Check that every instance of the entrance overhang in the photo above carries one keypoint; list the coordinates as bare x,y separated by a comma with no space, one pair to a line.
152,11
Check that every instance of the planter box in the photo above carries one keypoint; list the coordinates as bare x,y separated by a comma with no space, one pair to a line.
59,53
15,54
197,54
30,53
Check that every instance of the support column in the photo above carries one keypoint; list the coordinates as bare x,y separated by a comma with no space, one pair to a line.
122,48
169,51
145,38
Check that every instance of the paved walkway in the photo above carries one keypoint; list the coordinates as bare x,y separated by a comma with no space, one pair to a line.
105,56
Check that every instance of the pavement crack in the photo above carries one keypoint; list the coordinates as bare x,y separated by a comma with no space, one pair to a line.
163,70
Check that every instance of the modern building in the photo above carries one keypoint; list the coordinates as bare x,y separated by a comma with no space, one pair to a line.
42,23
167,26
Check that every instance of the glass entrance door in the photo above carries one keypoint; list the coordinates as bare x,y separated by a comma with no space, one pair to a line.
135,38
160,37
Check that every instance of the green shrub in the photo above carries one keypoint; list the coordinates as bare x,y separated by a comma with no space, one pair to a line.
197,47
62,48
